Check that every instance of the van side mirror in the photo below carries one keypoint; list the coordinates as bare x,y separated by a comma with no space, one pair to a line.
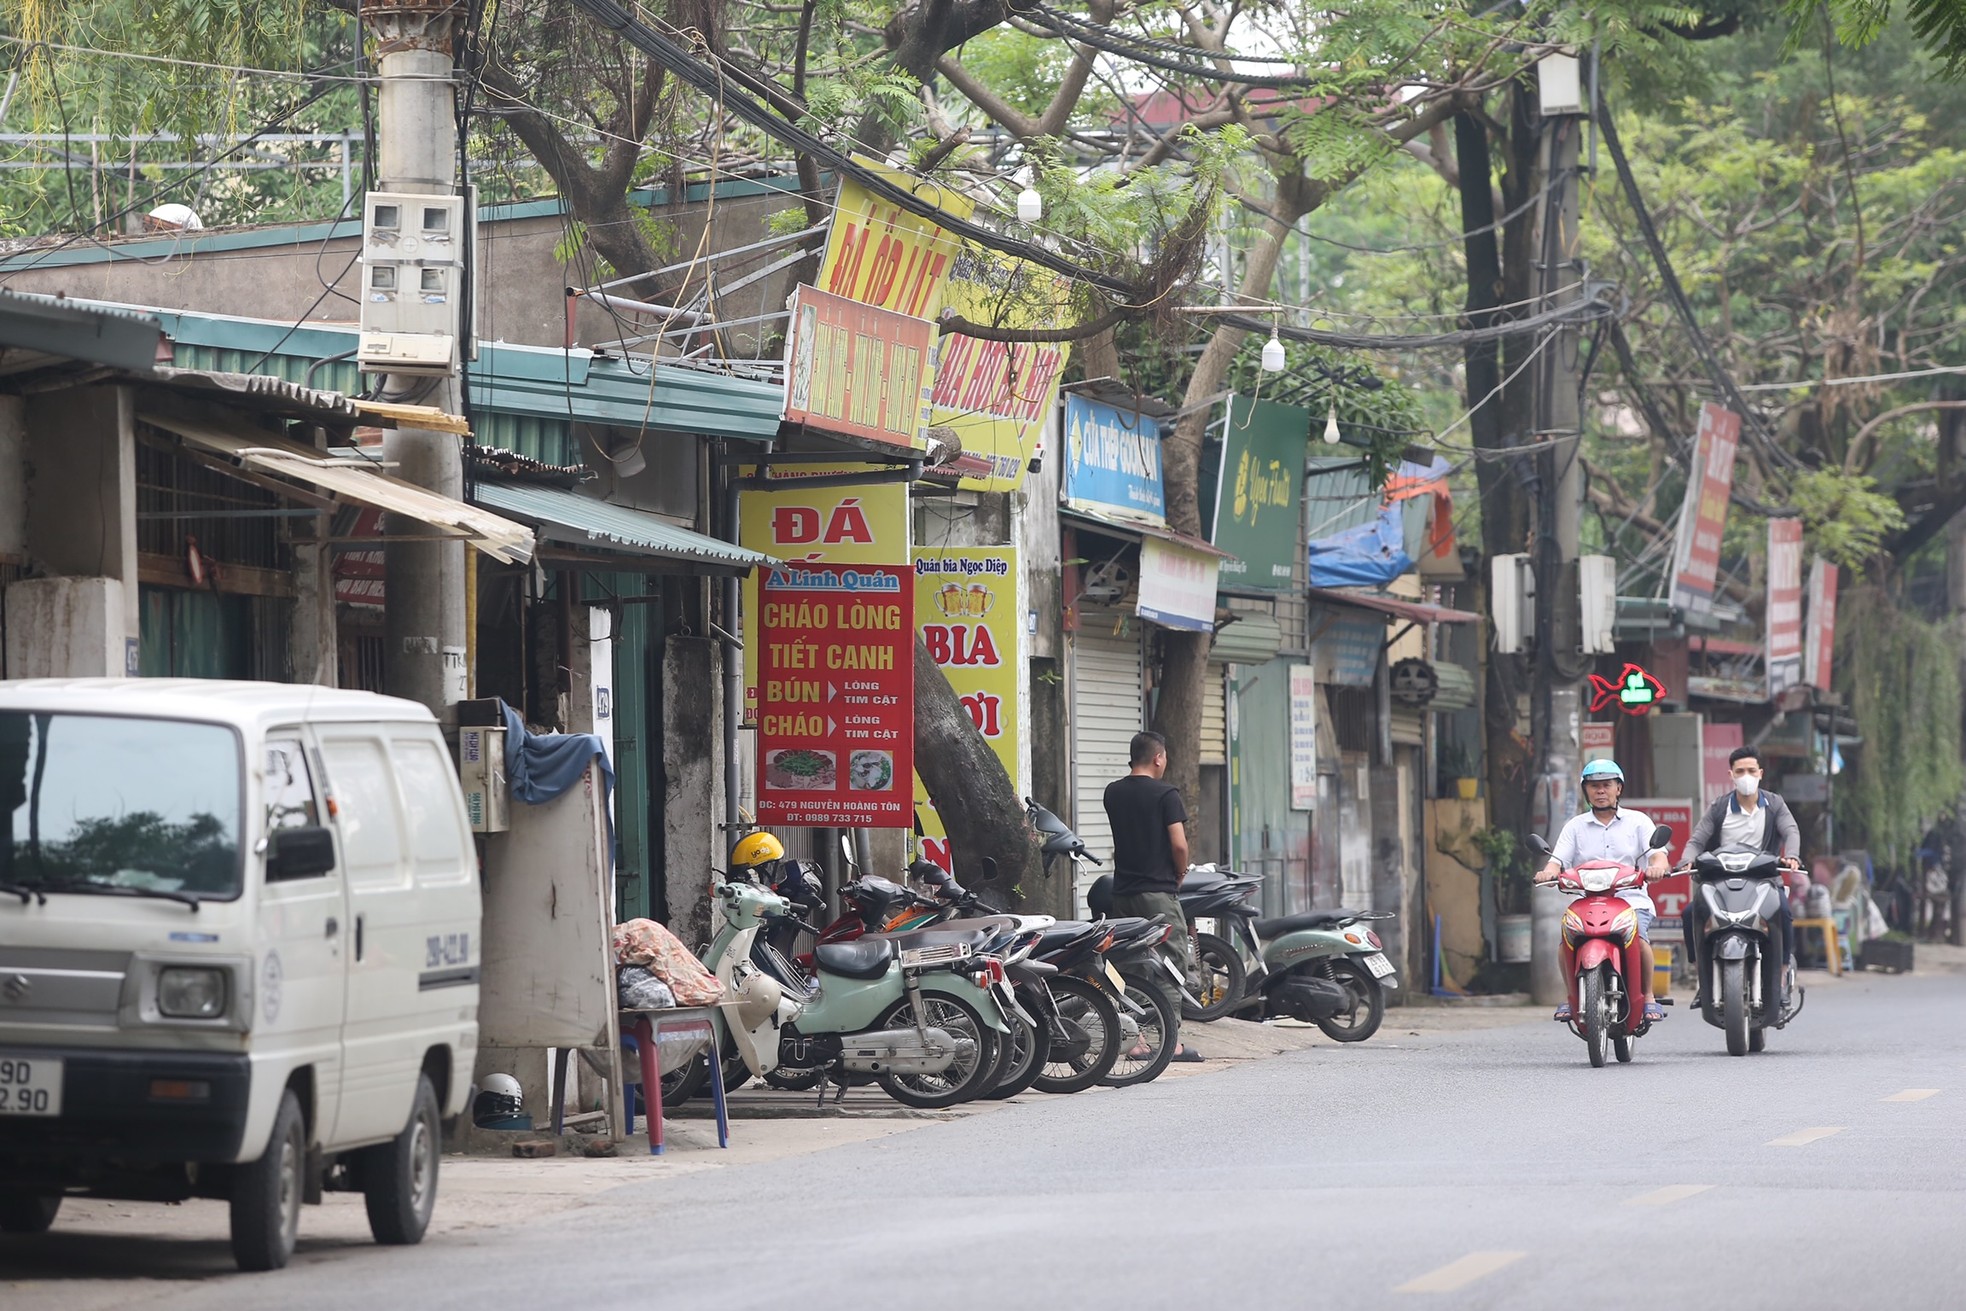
299,853
1661,837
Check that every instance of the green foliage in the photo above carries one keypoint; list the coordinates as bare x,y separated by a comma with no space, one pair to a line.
1899,674
1940,24
1845,518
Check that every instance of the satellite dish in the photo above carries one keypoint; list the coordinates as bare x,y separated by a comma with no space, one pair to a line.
173,217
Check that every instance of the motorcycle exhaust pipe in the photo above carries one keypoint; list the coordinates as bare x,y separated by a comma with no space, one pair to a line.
898,1051
1311,999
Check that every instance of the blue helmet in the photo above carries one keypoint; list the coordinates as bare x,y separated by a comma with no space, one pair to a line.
1602,769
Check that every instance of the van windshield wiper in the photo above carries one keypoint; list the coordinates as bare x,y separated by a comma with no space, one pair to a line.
114,890
25,893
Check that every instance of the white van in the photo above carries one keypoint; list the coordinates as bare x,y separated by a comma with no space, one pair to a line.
238,951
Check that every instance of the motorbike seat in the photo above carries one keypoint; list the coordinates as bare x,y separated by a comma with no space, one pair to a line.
1310,919
863,958
973,933
1066,934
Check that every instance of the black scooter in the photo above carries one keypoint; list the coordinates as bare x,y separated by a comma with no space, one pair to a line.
1741,957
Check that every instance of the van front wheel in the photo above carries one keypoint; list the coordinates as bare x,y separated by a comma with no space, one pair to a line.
266,1194
27,1213
399,1178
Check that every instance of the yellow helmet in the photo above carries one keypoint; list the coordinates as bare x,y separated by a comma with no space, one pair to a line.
756,849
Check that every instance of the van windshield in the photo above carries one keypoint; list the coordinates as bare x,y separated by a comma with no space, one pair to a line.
102,803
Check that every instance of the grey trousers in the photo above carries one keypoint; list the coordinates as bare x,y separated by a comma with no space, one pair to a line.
1166,906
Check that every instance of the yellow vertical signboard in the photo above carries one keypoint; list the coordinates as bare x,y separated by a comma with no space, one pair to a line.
969,615
881,254
840,523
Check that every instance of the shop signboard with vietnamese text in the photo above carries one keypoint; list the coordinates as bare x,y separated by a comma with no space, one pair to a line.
1303,737
1820,646
1259,493
967,611
1346,651
836,695
1717,742
878,253
1784,612
858,370
1112,462
992,396
1669,894
794,521
1177,586
1696,552
1600,741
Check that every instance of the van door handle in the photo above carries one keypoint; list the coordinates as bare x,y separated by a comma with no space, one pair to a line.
358,937
334,926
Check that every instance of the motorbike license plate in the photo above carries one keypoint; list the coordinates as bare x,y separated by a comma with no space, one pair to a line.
29,1085
1379,966
1113,977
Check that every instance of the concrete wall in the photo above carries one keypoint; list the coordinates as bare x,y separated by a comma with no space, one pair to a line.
522,280
67,628
1454,885
13,477
692,775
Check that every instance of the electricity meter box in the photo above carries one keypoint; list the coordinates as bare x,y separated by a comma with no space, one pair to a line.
481,770
413,268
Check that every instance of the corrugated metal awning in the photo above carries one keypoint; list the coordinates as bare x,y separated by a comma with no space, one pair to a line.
1129,530
327,480
1417,611
568,519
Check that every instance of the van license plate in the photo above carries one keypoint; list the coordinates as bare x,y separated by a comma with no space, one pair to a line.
1379,965
29,1085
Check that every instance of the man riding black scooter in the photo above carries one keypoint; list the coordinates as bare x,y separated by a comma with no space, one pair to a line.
1746,817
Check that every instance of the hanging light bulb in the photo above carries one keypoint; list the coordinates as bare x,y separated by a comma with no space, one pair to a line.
1331,425
1273,354
1030,205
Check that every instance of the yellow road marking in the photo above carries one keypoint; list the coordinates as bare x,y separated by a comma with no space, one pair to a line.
1669,1194
1459,1274
1913,1095
1803,1137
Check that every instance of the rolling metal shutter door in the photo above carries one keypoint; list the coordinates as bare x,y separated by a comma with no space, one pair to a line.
1106,713
1215,716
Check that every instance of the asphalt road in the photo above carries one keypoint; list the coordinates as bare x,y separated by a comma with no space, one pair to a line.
1491,1168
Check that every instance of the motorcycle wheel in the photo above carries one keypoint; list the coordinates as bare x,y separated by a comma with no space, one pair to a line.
1222,979
968,1076
1368,1006
1028,1050
1091,1025
1590,998
1734,1005
1160,1034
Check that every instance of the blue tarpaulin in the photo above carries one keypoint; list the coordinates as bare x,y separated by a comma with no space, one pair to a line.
542,766
1371,554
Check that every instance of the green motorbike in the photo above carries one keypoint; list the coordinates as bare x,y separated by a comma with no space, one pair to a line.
923,1013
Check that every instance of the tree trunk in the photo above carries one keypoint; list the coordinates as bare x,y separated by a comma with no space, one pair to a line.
996,852
1184,656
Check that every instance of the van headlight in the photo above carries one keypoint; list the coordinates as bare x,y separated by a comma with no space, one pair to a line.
191,993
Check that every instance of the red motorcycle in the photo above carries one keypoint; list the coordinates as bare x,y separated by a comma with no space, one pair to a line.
1601,927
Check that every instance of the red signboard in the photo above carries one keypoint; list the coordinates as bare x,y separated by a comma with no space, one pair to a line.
1669,894
1784,621
836,695
1717,742
858,370
1696,557
1822,625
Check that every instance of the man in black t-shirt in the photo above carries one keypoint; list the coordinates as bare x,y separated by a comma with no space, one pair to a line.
1150,842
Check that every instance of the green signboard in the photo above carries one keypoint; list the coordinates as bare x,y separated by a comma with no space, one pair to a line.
1258,491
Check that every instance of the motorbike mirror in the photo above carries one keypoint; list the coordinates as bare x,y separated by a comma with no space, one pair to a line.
1537,845
1661,837
846,849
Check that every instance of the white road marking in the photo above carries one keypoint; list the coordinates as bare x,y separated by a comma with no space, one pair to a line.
1803,1137
1913,1095
1669,1194
1459,1274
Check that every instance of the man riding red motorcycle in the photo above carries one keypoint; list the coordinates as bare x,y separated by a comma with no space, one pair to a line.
1607,831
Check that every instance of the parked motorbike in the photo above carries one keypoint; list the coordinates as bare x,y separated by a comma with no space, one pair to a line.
924,1017
1742,987
1320,966
1601,928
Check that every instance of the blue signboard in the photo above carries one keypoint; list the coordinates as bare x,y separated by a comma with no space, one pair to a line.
1112,462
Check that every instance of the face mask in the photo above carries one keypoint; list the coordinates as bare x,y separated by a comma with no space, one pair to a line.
1747,785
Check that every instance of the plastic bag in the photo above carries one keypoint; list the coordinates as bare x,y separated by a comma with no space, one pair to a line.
644,942
637,989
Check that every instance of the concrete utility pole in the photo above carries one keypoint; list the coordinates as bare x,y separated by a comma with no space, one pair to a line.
1558,707
424,639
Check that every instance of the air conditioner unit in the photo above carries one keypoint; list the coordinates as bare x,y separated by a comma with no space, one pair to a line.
1597,597
1512,602
412,271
